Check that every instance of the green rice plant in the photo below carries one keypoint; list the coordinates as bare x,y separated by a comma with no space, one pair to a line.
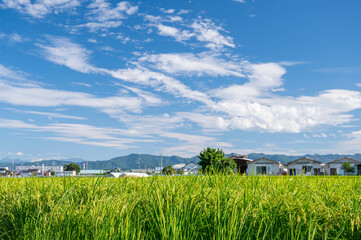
181,207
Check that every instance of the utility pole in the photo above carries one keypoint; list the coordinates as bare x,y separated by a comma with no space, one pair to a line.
13,168
161,164
138,163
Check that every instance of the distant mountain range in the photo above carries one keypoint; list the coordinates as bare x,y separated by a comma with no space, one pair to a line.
134,161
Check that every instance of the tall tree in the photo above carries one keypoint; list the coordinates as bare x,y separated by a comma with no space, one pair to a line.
226,165
72,167
168,170
208,157
347,167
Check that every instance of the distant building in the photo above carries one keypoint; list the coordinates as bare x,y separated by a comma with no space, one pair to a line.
3,170
178,166
335,167
242,162
116,172
264,166
43,168
92,172
65,174
190,168
305,166
30,172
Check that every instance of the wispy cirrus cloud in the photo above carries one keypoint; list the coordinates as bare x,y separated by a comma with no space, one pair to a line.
62,51
44,97
102,15
40,8
50,115
189,64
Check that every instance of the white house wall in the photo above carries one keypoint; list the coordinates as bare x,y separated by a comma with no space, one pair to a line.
298,166
271,168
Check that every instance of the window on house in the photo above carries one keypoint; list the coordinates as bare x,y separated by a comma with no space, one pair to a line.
261,170
306,168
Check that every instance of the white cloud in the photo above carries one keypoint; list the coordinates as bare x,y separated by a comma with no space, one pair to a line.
81,84
102,10
206,31
188,63
42,97
351,145
95,26
160,82
64,52
40,8
80,133
203,30
158,19
103,16
13,38
47,114
241,1
164,30
16,153
253,105
7,73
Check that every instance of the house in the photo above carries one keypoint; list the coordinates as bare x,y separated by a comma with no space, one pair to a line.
305,166
190,168
91,172
116,172
242,162
3,170
335,167
264,166
65,174
179,166
43,168
30,173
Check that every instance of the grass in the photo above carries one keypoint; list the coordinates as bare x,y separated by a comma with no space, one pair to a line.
197,207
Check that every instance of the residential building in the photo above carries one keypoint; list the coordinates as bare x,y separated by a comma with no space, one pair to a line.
3,170
264,166
116,172
30,172
305,166
91,172
335,167
65,174
43,168
190,168
242,162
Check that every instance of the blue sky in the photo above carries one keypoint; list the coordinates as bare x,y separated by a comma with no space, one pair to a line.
99,79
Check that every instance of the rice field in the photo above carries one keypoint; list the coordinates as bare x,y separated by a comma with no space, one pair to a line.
195,207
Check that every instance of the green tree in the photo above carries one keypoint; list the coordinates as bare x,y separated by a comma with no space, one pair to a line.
72,167
347,167
208,157
226,165
168,170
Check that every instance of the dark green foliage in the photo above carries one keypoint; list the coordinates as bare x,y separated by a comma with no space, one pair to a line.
72,167
347,167
208,158
169,170
226,165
